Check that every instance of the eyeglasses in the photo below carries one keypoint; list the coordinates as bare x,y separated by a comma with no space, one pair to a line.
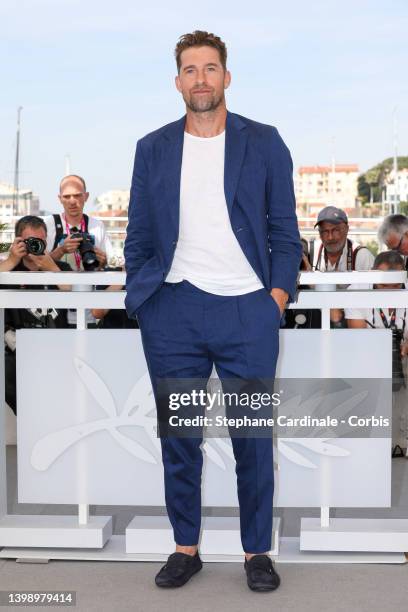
75,196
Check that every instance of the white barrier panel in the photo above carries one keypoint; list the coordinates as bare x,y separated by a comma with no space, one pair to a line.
88,416
86,424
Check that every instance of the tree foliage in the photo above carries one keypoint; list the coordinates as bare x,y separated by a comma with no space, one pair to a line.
4,246
375,178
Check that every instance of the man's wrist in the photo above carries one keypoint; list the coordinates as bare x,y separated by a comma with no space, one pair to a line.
13,259
280,296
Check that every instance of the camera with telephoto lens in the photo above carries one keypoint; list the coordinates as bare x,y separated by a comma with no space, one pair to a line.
35,246
398,379
86,248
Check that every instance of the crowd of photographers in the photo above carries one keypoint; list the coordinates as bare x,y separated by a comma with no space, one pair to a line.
73,241
335,252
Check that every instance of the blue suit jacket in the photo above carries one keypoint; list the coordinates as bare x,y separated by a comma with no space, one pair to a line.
260,198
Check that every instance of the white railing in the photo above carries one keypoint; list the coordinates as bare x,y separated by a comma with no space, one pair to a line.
83,295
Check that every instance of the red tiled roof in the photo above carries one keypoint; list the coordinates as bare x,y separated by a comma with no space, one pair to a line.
111,213
327,169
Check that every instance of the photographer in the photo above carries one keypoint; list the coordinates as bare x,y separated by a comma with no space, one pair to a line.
73,236
394,319
393,232
337,252
28,254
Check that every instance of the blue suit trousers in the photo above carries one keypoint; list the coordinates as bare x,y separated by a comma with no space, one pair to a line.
185,331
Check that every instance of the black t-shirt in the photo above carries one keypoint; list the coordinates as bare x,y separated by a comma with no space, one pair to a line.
18,318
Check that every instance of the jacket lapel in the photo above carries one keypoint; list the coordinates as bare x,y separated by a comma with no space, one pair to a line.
236,137
172,158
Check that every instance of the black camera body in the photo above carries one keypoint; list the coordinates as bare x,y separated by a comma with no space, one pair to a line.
35,246
86,249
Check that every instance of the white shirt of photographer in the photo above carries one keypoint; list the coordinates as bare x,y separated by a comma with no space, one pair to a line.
97,229
364,260
366,314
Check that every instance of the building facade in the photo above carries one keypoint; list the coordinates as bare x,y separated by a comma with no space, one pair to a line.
26,203
397,189
112,207
319,186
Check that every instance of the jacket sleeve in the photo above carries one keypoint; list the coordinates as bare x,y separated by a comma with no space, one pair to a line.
138,244
283,234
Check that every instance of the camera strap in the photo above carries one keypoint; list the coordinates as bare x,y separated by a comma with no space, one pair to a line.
59,232
351,256
391,323
76,254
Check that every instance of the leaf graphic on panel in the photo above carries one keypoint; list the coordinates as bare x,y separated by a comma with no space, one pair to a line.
96,386
50,447
318,446
294,456
322,447
140,396
133,447
53,445
99,390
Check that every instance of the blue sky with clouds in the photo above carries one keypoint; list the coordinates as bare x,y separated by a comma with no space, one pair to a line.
94,76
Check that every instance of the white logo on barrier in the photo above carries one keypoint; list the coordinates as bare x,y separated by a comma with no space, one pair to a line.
47,450
321,447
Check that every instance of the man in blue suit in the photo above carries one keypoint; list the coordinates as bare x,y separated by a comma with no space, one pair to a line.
212,256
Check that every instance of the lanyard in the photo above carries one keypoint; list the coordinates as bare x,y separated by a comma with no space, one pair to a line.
76,254
391,324
326,259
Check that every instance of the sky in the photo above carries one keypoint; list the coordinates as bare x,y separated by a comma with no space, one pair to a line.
94,76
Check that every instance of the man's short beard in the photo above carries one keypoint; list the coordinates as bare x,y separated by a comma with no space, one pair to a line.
335,248
210,106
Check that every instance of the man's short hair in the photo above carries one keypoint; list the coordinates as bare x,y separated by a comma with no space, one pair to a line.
73,176
392,224
29,221
199,38
392,258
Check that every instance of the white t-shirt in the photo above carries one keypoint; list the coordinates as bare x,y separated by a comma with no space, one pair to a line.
373,316
364,258
208,254
95,227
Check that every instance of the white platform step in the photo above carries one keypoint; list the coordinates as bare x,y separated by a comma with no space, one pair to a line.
114,550
219,536
350,534
54,531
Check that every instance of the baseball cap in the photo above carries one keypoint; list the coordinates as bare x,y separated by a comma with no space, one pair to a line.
331,214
